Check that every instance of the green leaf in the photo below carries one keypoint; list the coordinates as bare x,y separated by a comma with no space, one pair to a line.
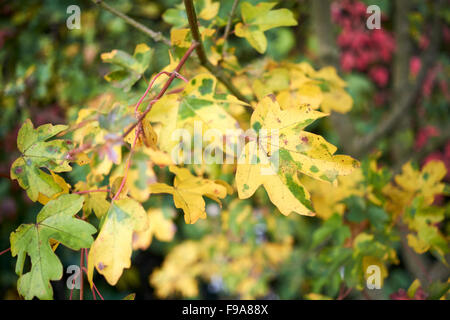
331,227
129,68
37,153
357,209
55,221
260,18
377,217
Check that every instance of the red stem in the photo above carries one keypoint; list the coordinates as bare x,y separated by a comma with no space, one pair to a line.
5,251
169,81
174,74
124,179
93,285
81,280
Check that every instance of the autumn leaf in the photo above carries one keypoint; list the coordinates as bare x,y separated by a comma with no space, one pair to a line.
413,183
158,225
198,102
38,153
129,69
188,191
55,221
260,18
296,151
93,201
111,251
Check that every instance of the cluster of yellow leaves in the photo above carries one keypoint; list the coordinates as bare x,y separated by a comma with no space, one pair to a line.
243,268
328,199
412,183
410,199
188,191
298,84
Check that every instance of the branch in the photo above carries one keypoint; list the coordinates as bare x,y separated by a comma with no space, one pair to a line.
228,27
157,36
408,96
216,71
169,81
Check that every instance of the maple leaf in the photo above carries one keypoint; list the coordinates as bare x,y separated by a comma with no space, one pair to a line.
296,151
140,176
111,251
260,18
198,102
413,183
55,221
93,201
188,191
129,69
168,279
38,153
158,225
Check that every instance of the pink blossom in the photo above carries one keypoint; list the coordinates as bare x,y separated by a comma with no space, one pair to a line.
379,75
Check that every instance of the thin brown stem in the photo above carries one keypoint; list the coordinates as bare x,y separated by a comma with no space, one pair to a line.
90,191
228,26
169,81
216,71
157,36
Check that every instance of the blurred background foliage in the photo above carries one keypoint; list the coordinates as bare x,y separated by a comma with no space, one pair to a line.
49,73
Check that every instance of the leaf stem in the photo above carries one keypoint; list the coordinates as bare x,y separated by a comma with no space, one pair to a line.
5,251
90,191
157,36
81,279
169,81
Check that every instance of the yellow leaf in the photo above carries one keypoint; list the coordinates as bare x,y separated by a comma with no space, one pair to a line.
93,201
188,191
159,226
210,10
276,164
42,198
179,37
111,251
417,244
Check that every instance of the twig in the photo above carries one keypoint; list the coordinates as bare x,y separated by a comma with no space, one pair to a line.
5,251
169,81
127,168
343,293
228,26
89,191
157,36
81,279
174,74
216,71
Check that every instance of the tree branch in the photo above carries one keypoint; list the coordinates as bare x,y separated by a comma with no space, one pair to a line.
157,36
216,71
228,26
